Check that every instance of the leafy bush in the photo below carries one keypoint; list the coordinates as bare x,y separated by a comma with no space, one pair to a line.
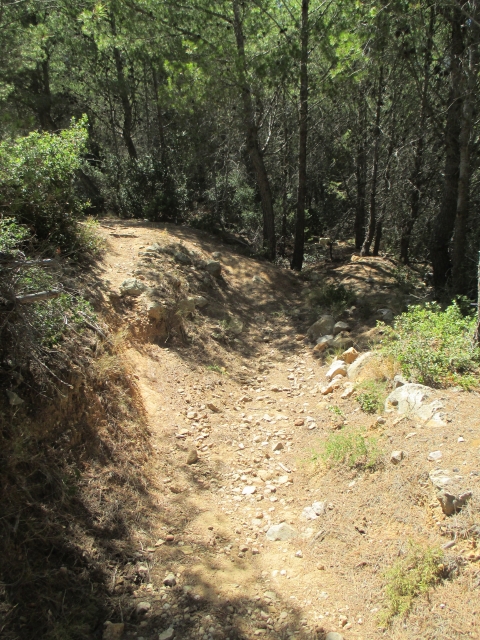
371,396
335,297
37,174
352,448
409,577
434,347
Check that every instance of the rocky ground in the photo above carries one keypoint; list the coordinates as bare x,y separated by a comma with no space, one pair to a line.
249,533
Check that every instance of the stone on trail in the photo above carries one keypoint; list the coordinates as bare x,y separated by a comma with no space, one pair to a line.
280,532
333,635
397,456
142,607
155,310
415,400
355,370
433,456
341,326
213,407
192,456
323,326
168,634
350,355
214,268
277,447
113,630
337,368
385,315
182,257
249,490
349,389
322,343
170,580
132,287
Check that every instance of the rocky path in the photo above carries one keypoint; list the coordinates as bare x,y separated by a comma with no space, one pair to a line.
248,534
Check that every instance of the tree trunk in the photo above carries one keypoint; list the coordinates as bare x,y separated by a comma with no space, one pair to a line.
252,141
42,102
160,121
298,249
124,98
459,271
361,175
445,220
416,178
376,155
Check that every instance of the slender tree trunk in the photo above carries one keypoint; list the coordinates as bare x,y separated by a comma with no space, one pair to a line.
252,141
444,222
124,97
376,156
160,120
459,271
361,176
42,103
416,178
299,244
286,180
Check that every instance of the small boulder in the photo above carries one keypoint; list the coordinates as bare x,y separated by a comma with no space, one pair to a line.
182,258
350,355
434,456
337,368
142,608
322,344
415,400
170,580
155,310
214,268
132,287
333,635
323,326
355,370
341,326
385,315
349,389
280,532
342,341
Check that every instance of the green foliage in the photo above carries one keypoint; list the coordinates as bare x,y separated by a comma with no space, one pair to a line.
372,396
333,297
410,577
12,236
336,411
37,173
434,347
351,447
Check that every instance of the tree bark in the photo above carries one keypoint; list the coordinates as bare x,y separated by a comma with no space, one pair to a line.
252,141
416,177
444,222
299,243
376,156
123,91
459,271
361,176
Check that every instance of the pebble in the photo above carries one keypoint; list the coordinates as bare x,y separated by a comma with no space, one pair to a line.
299,422
277,446
333,635
298,554
280,532
249,490
168,634
397,456
142,607
170,580
192,456
434,455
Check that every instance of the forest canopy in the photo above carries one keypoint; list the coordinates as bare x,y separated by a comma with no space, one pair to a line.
280,121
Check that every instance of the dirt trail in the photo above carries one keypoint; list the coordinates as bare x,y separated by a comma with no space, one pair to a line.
245,392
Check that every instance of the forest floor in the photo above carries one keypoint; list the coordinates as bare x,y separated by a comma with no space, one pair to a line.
238,382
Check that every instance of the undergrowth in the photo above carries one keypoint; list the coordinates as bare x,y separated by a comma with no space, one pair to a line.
333,297
372,396
435,347
351,447
410,576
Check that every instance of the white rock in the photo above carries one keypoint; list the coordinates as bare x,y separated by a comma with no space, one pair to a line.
249,490
355,370
168,634
414,400
349,389
434,456
397,456
281,532
337,368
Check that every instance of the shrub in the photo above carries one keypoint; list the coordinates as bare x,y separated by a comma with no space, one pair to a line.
409,577
371,396
352,448
334,297
434,347
37,174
